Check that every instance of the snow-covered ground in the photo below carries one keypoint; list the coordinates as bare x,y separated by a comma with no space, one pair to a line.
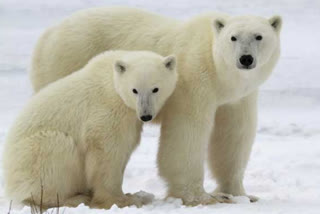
284,170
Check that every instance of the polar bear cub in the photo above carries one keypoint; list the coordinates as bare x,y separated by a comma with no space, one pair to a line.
74,138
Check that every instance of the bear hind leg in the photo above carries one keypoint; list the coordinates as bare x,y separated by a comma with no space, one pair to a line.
46,168
77,200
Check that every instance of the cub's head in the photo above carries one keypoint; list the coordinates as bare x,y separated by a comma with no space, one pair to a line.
145,80
246,42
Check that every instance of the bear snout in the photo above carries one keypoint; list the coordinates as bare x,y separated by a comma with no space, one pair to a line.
146,118
246,60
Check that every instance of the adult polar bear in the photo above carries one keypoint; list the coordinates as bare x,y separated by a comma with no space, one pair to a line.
222,61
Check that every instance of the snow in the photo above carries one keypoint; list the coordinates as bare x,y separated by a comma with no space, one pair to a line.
284,169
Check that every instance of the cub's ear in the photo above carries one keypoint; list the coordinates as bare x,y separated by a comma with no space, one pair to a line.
170,62
218,24
120,66
276,23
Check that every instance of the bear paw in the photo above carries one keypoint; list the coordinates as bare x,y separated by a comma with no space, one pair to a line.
121,201
144,197
228,198
194,200
223,198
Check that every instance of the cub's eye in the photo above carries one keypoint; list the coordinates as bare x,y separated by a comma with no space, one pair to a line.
155,90
233,38
135,91
259,38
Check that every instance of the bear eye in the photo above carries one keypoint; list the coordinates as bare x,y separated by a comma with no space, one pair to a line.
259,38
135,91
233,38
155,90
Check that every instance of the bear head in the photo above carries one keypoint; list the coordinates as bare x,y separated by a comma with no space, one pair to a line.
246,42
145,80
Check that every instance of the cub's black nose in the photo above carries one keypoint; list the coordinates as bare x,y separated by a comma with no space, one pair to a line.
246,60
146,118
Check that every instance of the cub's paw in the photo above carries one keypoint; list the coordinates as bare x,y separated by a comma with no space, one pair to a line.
120,201
144,197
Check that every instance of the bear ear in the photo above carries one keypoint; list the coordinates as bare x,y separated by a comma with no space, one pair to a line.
170,62
120,66
218,24
276,22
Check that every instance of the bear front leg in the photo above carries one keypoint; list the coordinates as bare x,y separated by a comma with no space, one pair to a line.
104,171
185,132
231,143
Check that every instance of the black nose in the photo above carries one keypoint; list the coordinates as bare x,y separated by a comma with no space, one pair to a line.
246,60
146,118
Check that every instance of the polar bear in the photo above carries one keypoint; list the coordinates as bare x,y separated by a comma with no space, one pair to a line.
222,61
74,138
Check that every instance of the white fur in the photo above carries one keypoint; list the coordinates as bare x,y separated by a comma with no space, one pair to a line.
210,84
76,136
